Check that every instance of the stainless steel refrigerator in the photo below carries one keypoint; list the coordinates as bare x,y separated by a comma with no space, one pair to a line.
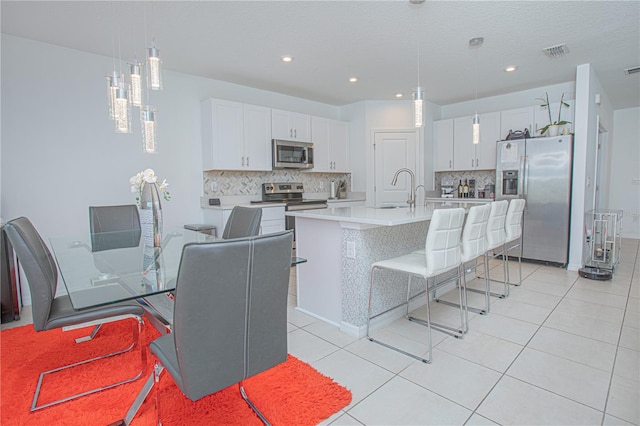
539,170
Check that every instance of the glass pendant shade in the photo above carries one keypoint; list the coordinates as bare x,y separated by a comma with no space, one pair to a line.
113,81
122,109
135,73
149,130
154,70
476,129
418,96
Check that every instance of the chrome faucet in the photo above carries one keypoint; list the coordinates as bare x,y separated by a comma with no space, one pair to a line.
424,191
412,195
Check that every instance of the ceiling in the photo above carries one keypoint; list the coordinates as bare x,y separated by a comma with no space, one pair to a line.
377,41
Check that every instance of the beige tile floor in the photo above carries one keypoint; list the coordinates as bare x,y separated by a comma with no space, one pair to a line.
559,350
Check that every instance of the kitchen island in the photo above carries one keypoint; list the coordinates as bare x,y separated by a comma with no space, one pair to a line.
340,245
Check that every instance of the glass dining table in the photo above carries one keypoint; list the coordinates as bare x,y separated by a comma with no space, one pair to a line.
111,267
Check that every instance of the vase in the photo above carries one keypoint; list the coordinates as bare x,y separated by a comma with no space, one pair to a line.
553,130
150,214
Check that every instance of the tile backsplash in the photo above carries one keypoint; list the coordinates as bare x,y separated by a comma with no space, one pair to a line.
229,183
482,177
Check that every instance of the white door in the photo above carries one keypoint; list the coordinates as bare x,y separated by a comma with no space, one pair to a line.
393,151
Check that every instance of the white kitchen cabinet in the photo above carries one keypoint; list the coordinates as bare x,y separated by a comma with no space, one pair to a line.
464,151
236,136
443,145
517,119
291,126
489,135
542,116
330,145
272,218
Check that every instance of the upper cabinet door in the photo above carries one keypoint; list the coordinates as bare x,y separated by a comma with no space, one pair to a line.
489,135
443,145
339,146
290,126
257,137
516,119
464,151
222,131
320,138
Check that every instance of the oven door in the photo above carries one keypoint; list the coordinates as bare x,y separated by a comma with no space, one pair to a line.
292,155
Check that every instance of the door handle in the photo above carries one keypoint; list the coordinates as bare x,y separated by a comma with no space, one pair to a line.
521,176
526,176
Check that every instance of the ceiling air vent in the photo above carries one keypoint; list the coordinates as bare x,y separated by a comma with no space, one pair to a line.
633,70
556,51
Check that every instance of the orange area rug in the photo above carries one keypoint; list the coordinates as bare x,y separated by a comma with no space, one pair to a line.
292,393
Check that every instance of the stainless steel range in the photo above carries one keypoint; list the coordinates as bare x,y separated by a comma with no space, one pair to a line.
291,194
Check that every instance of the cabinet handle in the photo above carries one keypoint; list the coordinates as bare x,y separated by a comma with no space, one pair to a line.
290,133
450,165
243,161
477,162
247,161
472,162
295,133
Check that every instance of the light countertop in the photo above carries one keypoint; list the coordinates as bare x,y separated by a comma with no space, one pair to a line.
376,216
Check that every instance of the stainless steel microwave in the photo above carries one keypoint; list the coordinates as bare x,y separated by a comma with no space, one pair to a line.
292,154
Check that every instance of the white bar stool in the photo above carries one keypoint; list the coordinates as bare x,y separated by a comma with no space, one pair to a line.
442,254
474,245
513,234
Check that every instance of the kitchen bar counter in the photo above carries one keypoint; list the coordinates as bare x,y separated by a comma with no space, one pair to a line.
340,245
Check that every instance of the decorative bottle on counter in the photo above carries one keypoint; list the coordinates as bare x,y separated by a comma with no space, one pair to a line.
460,189
465,190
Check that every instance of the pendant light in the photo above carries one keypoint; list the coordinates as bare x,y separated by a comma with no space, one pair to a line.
154,69
475,43
113,81
122,109
149,130
418,93
135,77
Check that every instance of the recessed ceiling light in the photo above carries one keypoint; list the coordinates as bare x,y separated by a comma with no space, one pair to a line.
287,58
511,68
399,95
353,79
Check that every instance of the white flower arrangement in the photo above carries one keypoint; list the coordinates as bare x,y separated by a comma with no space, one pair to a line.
147,176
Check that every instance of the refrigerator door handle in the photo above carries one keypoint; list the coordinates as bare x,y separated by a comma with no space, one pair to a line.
526,176
521,174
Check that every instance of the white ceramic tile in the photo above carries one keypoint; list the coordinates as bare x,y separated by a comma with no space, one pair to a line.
299,319
412,405
630,338
631,319
477,420
330,333
627,364
505,328
593,353
307,347
358,375
342,420
591,327
524,295
379,355
554,289
554,275
597,297
592,310
522,311
482,349
633,305
458,380
619,287
291,327
561,376
609,420
623,399
513,402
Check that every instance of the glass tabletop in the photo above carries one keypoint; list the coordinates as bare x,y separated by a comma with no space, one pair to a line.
110,267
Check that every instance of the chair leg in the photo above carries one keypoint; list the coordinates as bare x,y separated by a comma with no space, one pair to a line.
465,304
487,284
488,277
253,407
157,370
137,331
91,336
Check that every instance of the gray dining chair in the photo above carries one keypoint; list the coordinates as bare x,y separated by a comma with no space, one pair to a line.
114,226
50,312
242,222
230,314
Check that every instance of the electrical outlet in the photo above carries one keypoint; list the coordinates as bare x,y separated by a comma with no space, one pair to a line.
351,250
214,186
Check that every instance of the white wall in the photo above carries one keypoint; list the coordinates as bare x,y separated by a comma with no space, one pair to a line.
625,154
61,155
